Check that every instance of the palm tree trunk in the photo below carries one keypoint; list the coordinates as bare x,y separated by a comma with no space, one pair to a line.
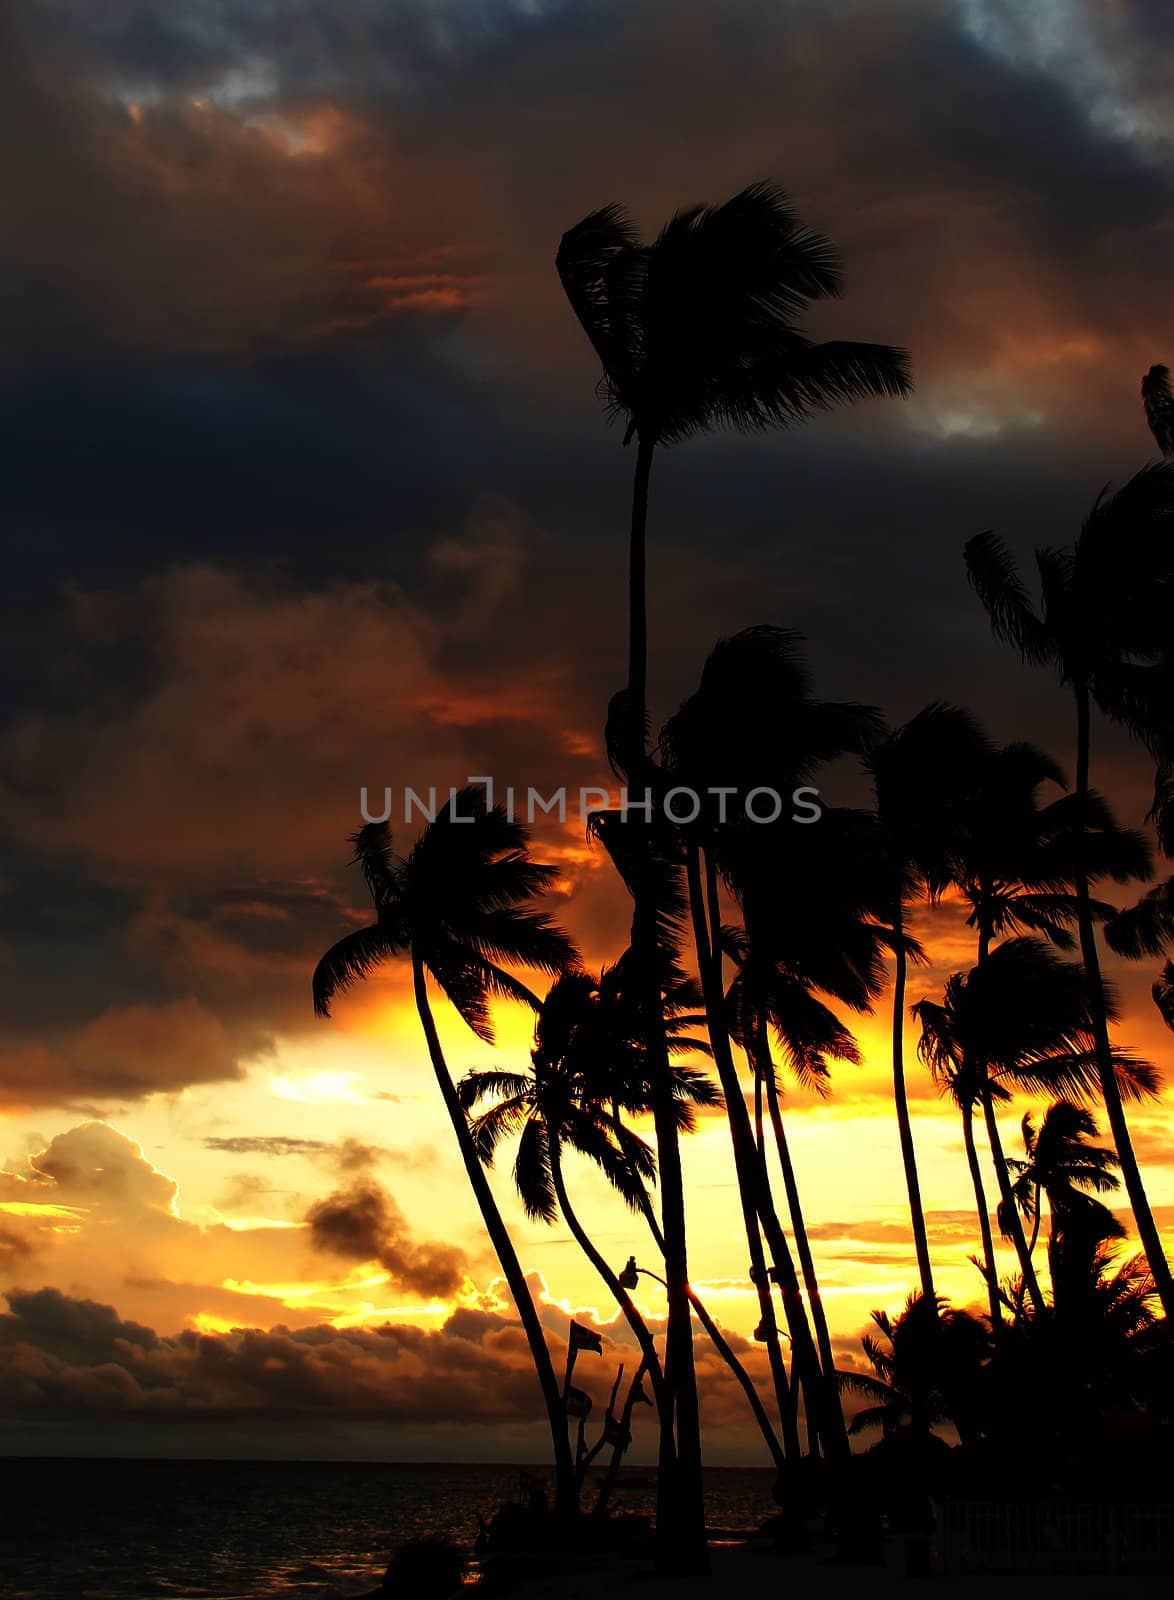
901,1101
638,581
717,1339
823,1336
747,1191
631,1316
682,1548
1014,1223
757,1203
1143,1217
566,1496
984,1220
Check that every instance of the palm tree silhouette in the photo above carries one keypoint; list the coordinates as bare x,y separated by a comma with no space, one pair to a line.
697,331
1016,865
1015,859
1019,1021
1158,401
461,907
924,1368
570,1099
753,723
922,774
1062,1163
771,995
1103,624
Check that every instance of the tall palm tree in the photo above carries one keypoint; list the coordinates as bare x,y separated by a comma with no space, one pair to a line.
1020,1021
589,1068
754,724
1063,1164
699,330
922,774
461,907
1103,625
579,1036
1015,863
695,331
770,996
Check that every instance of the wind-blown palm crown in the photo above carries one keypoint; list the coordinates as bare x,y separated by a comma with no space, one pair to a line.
1022,1018
588,1062
1063,1162
1103,620
462,900
699,329
1015,861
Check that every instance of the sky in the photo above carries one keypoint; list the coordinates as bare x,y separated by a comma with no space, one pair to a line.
306,488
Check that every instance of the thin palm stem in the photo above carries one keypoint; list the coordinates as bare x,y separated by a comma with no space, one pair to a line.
799,1229
721,1345
631,1315
1143,1216
745,1173
755,1192
901,1102
991,1272
566,1487
1012,1222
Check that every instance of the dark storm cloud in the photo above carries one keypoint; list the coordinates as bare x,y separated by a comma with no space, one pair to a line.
363,1223
306,325
61,1356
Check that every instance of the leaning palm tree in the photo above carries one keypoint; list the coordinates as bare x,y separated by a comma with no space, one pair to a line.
1019,1021
695,331
699,330
768,996
1103,625
553,1108
1063,1165
461,908
754,725
922,774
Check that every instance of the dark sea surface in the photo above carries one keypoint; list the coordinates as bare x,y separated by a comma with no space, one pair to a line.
226,1530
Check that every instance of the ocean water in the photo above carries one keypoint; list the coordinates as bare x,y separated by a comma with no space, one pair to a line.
239,1530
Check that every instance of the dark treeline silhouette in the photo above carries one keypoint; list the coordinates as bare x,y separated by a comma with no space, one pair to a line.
752,943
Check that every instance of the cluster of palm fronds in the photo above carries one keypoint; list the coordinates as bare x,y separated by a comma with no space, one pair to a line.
750,941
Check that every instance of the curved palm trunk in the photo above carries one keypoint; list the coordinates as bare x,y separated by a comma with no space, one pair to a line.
1143,1217
682,1548
720,1344
785,1400
757,1202
823,1336
984,1220
1010,1209
901,1101
566,1487
631,1316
